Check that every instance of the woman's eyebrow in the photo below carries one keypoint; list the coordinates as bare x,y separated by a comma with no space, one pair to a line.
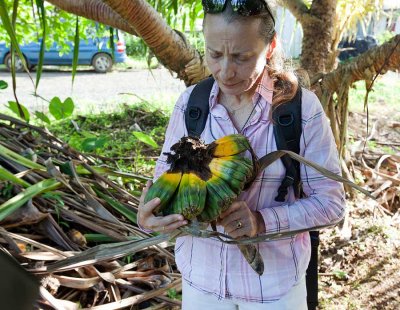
240,53
212,50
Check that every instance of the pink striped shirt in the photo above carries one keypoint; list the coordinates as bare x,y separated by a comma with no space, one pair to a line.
213,267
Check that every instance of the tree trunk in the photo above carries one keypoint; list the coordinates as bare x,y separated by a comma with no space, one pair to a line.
317,23
169,46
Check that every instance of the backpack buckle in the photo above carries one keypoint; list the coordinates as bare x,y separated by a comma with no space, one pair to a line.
286,119
194,113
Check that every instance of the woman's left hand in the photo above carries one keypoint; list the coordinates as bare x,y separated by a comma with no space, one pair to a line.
240,221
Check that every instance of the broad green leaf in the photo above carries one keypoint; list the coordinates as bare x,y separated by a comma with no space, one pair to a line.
61,110
91,144
6,175
43,117
19,200
76,50
13,106
3,84
145,138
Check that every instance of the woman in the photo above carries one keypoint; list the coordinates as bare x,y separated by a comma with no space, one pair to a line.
240,52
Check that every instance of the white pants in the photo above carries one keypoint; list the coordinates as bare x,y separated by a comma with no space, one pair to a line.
192,299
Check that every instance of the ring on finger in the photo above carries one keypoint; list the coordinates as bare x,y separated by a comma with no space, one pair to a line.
239,224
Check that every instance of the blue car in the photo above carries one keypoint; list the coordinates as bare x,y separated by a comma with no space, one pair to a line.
94,52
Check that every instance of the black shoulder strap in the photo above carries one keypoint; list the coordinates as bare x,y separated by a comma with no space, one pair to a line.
198,107
287,132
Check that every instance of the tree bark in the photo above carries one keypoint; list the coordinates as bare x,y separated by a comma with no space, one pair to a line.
299,10
169,46
317,39
95,10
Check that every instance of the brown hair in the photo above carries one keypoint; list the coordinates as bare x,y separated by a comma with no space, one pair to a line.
285,81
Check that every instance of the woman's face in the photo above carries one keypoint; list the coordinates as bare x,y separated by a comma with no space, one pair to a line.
235,52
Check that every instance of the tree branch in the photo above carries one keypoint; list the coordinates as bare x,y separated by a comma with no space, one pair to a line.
363,67
95,10
298,8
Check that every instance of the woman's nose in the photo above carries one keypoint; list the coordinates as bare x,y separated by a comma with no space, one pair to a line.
227,70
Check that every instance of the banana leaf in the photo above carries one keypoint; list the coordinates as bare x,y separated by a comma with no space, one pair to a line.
19,200
6,175
7,153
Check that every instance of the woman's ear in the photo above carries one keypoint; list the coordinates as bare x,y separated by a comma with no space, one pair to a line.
271,47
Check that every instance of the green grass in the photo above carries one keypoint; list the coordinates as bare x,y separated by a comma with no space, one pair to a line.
114,133
385,95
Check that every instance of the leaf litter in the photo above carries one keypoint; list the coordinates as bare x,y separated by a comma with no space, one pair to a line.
358,263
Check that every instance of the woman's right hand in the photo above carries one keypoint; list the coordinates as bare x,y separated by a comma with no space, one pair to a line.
147,219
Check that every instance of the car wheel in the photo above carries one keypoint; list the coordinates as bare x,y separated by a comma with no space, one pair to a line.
19,67
102,63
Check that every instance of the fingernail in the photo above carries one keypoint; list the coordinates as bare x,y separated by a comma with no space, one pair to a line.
184,222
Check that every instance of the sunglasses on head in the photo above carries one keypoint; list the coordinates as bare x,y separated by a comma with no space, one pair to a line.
242,7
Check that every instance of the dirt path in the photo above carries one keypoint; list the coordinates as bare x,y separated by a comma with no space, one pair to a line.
93,91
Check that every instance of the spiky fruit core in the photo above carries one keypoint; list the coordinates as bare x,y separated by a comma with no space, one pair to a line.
190,154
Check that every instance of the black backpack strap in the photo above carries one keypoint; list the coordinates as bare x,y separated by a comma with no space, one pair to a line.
312,272
287,132
197,109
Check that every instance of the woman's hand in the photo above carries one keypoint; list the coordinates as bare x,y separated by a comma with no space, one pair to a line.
240,221
147,220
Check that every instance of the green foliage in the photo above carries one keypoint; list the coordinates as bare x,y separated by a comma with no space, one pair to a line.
43,117
9,31
61,110
179,14
340,275
353,14
76,50
3,84
385,36
135,46
28,26
6,190
43,21
13,106
92,144
196,39
20,199
145,138
173,294
130,151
